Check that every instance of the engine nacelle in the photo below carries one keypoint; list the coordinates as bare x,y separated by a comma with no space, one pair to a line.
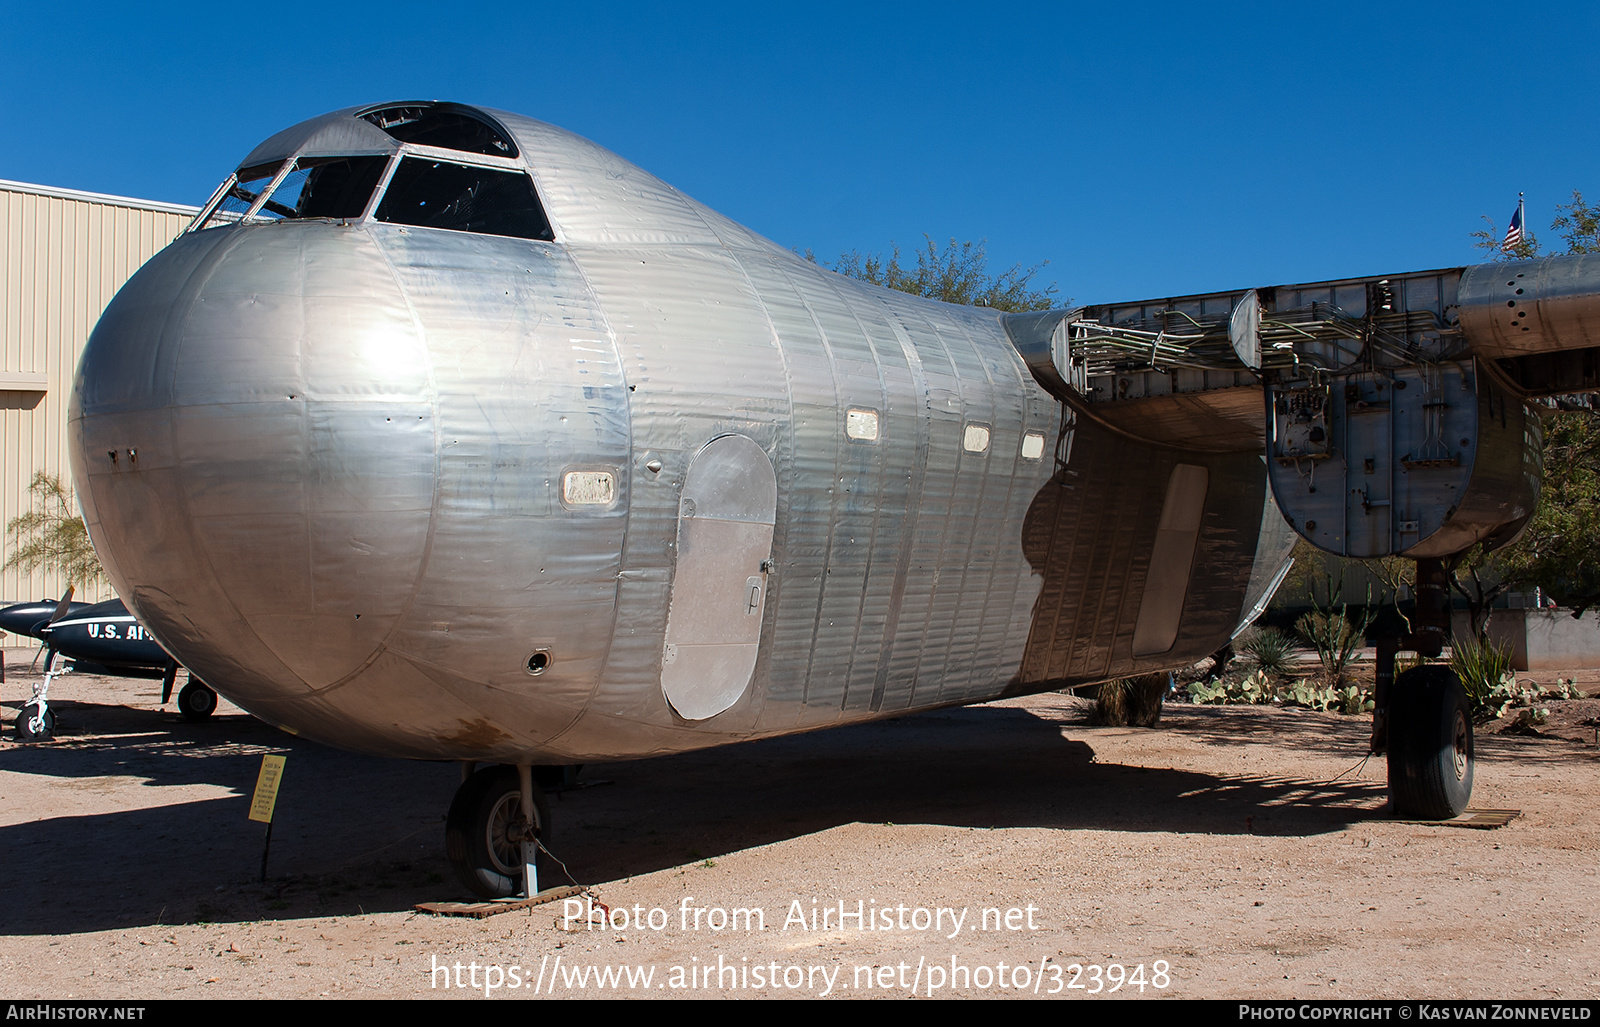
1418,461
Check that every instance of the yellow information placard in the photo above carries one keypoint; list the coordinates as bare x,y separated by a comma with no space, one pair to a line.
266,796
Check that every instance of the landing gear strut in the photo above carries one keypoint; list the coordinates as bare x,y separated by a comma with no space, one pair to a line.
36,721
487,827
1423,719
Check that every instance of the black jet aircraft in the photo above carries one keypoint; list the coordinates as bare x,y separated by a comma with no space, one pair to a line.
100,638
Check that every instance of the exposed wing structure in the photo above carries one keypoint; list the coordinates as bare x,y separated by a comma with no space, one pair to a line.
1393,409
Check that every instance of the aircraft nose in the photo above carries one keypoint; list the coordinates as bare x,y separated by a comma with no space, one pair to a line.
253,442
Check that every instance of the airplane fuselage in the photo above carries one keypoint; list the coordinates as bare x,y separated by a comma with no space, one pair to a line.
653,484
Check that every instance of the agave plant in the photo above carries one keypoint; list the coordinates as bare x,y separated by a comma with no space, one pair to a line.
1269,649
1484,670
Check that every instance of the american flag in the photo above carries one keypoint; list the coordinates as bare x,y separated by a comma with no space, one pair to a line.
1513,237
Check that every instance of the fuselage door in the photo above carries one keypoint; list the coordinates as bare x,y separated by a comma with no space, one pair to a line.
719,590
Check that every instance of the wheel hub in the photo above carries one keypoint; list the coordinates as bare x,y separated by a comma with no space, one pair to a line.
508,828
1463,746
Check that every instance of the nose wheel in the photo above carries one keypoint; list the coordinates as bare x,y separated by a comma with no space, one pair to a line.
196,701
36,722
1430,744
486,828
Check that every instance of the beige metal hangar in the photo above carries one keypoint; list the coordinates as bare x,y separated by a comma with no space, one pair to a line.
66,253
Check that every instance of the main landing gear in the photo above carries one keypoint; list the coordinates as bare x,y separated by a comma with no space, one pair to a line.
493,831
196,701
1422,718
1430,744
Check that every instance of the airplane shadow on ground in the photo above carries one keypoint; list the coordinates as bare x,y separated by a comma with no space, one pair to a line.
365,834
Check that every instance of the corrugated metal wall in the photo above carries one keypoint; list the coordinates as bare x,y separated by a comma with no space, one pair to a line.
65,255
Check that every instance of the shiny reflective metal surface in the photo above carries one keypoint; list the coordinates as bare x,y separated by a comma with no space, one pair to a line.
1523,307
328,460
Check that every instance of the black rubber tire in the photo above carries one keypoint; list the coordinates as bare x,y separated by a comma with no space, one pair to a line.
197,701
477,833
1430,744
26,729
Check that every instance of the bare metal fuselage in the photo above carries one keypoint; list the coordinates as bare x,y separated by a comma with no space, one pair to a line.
329,465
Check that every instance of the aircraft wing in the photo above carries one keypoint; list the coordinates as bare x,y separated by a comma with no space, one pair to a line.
1403,396
1189,370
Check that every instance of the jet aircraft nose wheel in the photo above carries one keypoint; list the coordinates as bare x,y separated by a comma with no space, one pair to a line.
485,830
1430,744
197,701
32,727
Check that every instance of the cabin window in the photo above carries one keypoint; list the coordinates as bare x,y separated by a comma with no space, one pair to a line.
975,438
861,425
462,198
1032,446
588,488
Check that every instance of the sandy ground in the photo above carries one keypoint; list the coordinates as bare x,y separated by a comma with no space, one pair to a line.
1232,852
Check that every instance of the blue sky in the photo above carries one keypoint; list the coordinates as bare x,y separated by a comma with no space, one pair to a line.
1142,149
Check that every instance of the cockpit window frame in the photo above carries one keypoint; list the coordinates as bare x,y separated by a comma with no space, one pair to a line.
251,216
209,208
209,216
208,213
213,206
508,141
471,160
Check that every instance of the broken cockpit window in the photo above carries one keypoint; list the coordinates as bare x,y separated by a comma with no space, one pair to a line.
336,188
445,125
462,198
248,185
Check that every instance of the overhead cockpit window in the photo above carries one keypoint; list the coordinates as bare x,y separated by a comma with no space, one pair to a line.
440,194
443,125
